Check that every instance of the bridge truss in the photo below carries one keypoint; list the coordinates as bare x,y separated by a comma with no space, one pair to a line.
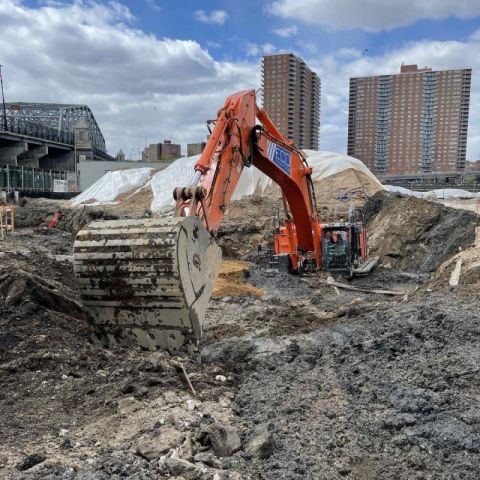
56,116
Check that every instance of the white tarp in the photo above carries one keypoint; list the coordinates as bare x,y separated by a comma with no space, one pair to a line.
440,193
106,189
326,164
403,191
449,193
180,173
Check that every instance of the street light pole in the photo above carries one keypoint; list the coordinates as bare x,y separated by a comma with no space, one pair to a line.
5,126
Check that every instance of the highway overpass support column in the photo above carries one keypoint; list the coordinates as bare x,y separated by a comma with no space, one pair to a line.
9,154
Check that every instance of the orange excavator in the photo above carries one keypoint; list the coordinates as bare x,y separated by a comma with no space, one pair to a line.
148,281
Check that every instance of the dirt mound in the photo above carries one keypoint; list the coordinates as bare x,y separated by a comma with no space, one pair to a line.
136,198
349,181
414,234
231,280
37,212
74,219
248,222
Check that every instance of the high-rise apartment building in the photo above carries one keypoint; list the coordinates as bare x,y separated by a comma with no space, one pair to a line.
195,148
415,121
291,97
157,152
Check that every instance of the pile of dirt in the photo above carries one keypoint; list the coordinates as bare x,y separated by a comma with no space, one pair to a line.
232,280
248,223
37,212
413,234
345,182
338,192
136,198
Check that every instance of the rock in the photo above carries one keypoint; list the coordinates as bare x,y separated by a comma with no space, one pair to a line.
170,418
261,443
193,404
66,443
127,405
128,388
30,461
154,381
208,459
141,392
177,466
225,440
153,447
221,378
399,421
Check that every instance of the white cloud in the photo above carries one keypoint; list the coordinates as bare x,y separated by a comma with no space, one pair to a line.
286,31
372,15
218,17
335,71
212,44
137,85
153,5
254,50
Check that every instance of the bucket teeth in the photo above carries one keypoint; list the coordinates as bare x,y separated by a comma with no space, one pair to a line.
147,281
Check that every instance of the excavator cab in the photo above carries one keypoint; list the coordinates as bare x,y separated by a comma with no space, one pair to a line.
344,247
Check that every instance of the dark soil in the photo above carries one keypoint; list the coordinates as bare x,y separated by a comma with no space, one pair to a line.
318,382
385,391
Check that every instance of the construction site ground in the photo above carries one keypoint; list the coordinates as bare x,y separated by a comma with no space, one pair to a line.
296,378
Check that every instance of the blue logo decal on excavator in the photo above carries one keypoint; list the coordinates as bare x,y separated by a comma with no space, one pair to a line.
279,156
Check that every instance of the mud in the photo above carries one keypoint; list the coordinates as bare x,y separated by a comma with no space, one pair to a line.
374,394
305,381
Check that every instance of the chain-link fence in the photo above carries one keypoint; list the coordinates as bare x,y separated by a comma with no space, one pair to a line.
31,179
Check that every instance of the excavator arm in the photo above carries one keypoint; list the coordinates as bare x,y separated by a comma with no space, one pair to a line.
236,142
148,281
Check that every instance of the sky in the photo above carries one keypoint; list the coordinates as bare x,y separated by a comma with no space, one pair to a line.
158,69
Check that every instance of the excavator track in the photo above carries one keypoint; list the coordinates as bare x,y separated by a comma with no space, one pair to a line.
147,281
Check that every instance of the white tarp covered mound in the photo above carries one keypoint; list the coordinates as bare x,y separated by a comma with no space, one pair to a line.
180,173
326,164
440,193
111,185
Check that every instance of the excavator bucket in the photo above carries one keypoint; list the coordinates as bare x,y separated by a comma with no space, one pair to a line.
147,281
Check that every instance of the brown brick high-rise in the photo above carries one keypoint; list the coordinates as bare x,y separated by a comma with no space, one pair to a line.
291,97
415,121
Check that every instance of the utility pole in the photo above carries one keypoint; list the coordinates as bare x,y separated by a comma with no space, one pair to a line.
5,126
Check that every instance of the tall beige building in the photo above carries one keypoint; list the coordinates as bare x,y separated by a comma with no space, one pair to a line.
291,97
157,152
415,121
195,148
